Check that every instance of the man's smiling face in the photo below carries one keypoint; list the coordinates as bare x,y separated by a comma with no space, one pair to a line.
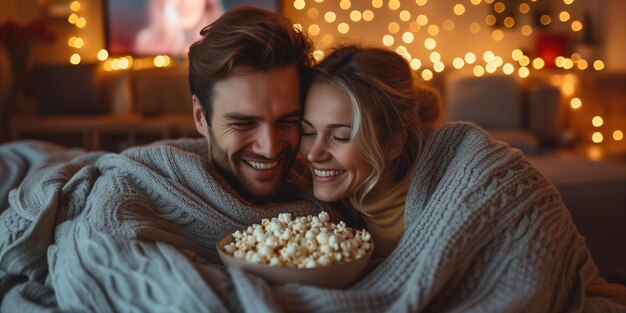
254,130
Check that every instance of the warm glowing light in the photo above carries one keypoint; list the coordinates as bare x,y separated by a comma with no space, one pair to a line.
330,16
470,58
509,22
314,30
422,20
597,121
75,6
81,22
527,30
368,15
408,37
508,69
430,43
488,56
427,74
405,15
393,27
564,16
594,153
297,26
474,28
499,7
475,2
568,63
448,25
582,64
345,4
343,28
498,61
459,9
75,58
524,61
115,64
72,18
124,63
313,13
102,55
523,72
107,66
433,30
435,57
388,40
524,8
416,64
159,61
394,4
576,57
79,43
545,20
491,68
299,4
458,63
319,1
70,41
618,135
439,67
497,35
490,20
568,2
575,103
421,2
377,3
598,65
318,55
538,63
568,88
356,15
478,71
577,26
597,137
517,54
559,61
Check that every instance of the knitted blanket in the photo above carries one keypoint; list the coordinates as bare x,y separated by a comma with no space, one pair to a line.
484,232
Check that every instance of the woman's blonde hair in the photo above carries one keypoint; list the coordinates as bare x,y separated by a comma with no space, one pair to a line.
391,106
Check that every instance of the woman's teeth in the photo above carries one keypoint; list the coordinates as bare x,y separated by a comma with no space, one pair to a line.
321,173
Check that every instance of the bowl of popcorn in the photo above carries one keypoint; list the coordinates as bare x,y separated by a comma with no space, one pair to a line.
308,250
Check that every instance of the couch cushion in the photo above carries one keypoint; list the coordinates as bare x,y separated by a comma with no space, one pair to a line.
493,101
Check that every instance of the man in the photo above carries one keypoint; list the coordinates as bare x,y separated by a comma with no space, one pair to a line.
245,79
136,231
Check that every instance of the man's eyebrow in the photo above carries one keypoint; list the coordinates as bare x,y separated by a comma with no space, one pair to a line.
234,116
329,125
239,117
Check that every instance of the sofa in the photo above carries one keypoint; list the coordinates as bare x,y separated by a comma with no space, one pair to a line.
531,115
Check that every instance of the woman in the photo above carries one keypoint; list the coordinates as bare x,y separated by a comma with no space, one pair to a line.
365,120
478,216
176,24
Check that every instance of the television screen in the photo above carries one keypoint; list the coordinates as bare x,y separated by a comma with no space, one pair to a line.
153,27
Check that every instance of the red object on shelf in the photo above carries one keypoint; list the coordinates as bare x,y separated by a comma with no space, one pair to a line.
549,47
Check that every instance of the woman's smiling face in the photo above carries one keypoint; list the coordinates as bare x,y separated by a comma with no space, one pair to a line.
338,168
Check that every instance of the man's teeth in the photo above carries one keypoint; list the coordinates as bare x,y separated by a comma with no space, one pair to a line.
321,173
261,165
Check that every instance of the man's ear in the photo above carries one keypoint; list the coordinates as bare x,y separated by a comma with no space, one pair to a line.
198,117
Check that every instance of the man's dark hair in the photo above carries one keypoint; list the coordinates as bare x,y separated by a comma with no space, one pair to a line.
249,38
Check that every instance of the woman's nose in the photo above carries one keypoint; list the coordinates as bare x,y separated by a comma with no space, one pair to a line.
318,151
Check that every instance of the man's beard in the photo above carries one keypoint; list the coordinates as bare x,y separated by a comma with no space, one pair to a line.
240,182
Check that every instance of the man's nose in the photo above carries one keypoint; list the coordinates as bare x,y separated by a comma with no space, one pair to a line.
267,143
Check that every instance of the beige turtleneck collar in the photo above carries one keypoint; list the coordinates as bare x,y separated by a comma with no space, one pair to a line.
384,217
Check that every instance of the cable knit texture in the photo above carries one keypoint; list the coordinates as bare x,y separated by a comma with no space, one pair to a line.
484,232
